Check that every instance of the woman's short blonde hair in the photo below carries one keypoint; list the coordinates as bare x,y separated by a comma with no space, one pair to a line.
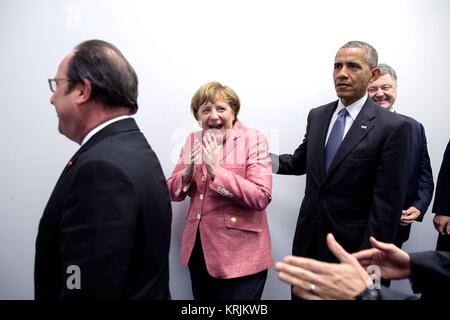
213,91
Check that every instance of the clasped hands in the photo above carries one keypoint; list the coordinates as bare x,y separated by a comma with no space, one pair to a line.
211,151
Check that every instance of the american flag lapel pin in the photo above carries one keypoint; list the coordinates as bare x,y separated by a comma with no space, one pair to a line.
69,163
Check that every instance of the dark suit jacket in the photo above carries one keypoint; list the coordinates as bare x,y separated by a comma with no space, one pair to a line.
420,182
441,205
430,273
110,215
363,191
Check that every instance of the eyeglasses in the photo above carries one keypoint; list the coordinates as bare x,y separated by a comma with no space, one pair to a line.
53,83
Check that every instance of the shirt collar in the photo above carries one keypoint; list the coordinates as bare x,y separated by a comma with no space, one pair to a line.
101,126
354,108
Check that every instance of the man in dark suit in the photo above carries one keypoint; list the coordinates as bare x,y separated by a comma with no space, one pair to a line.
346,280
105,232
383,92
441,205
359,191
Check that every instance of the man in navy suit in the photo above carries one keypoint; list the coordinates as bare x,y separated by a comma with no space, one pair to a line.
105,232
383,92
441,205
359,191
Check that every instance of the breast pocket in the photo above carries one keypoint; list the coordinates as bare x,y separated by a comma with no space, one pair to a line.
250,222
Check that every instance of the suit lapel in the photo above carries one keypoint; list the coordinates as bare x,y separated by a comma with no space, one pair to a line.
321,136
232,141
359,129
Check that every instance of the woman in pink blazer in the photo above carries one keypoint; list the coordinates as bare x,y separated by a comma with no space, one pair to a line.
226,171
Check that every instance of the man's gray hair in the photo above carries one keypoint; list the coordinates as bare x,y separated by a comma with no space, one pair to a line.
371,54
387,69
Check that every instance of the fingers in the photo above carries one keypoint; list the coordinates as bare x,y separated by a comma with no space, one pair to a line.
291,272
407,220
304,283
211,149
209,139
444,229
310,267
195,154
210,143
371,256
409,215
207,144
383,246
366,257
338,251
305,294
300,279
408,211
437,225
442,224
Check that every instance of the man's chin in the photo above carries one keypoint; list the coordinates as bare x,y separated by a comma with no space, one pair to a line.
384,105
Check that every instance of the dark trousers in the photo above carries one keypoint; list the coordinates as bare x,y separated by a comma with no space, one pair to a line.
205,287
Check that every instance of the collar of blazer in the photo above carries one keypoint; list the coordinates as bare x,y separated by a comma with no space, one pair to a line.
360,128
124,125
236,133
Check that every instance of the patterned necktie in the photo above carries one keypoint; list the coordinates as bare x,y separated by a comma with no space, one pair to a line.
335,138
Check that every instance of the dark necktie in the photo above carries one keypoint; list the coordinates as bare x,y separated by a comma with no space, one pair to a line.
335,138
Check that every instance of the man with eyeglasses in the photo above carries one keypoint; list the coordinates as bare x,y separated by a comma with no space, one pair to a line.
105,232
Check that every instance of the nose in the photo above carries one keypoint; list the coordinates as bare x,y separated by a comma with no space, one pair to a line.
342,73
214,114
52,98
379,92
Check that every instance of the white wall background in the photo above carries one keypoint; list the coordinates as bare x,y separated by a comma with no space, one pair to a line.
277,55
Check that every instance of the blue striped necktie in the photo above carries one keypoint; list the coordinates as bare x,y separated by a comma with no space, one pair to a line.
335,138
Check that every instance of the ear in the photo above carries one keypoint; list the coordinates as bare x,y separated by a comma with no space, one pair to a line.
84,91
375,74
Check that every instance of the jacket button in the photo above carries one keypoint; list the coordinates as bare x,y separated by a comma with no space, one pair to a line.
199,216
201,197
233,219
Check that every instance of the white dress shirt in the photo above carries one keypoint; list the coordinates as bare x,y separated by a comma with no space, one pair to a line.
353,111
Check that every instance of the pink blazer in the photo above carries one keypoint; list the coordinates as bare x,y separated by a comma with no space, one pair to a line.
229,211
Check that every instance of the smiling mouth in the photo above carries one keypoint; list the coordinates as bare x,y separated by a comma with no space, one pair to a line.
215,126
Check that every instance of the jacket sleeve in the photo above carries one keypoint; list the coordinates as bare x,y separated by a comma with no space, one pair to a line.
430,271
177,189
426,184
441,205
254,189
